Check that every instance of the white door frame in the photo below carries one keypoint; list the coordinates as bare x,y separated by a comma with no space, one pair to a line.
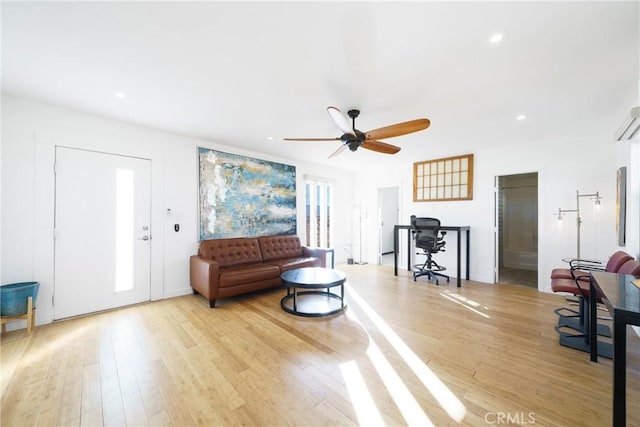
380,219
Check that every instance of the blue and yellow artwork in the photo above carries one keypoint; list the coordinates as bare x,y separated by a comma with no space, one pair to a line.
245,197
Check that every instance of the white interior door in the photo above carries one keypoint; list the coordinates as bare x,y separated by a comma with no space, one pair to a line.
388,199
103,231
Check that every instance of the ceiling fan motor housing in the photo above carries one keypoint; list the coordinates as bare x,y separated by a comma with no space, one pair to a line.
353,142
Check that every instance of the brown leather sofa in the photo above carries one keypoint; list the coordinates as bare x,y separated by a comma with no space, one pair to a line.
228,267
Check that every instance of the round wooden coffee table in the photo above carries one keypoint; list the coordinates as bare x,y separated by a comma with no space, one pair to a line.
309,291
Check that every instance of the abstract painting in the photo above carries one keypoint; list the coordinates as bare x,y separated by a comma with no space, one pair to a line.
245,197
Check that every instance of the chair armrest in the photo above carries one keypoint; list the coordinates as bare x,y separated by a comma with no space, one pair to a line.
204,275
316,253
585,264
580,275
585,260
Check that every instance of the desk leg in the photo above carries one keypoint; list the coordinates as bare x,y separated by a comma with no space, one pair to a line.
467,258
619,372
458,278
395,250
409,250
593,318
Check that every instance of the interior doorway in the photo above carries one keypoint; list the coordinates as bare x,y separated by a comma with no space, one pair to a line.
517,229
388,212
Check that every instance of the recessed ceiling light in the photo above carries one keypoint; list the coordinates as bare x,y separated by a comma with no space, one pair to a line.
496,38
270,138
521,117
119,95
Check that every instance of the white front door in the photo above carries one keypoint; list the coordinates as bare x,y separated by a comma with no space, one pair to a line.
102,231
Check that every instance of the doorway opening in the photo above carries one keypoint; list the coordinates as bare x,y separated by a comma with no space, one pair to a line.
388,213
517,229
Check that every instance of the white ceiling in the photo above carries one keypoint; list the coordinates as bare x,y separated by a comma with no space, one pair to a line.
237,72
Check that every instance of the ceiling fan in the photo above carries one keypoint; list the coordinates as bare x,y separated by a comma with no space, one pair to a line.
353,138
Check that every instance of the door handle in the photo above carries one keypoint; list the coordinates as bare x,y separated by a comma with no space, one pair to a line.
145,238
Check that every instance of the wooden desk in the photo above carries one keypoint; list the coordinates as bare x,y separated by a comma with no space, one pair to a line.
622,299
458,229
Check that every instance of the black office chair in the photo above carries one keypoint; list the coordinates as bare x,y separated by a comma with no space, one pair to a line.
429,238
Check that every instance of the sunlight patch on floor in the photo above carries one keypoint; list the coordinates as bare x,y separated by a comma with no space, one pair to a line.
449,402
45,350
366,409
405,401
466,303
29,357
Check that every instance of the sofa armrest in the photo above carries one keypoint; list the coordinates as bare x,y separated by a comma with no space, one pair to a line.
204,275
318,253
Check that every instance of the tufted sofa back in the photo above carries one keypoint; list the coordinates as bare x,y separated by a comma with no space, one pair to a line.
229,252
280,247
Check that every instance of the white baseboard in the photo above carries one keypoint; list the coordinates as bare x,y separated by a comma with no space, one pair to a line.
178,293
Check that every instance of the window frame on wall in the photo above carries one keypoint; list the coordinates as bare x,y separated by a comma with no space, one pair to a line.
445,179
321,191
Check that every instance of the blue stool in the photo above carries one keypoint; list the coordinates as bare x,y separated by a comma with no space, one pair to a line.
17,302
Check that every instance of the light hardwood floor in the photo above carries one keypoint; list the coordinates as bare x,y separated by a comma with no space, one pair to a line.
402,353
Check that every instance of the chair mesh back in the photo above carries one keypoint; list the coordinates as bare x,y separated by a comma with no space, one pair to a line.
426,230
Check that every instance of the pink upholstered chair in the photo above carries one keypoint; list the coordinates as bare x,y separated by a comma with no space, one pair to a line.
563,280
579,286
630,267
582,266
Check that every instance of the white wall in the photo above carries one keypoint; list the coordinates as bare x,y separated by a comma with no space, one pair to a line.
30,132
585,162
629,156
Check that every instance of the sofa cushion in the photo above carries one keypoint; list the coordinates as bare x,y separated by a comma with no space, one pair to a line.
280,247
291,263
247,273
230,252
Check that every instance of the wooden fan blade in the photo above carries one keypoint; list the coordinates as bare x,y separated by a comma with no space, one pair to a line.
338,151
398,129
311,139
380,147
340,120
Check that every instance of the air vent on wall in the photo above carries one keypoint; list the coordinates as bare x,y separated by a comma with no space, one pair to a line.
629,126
